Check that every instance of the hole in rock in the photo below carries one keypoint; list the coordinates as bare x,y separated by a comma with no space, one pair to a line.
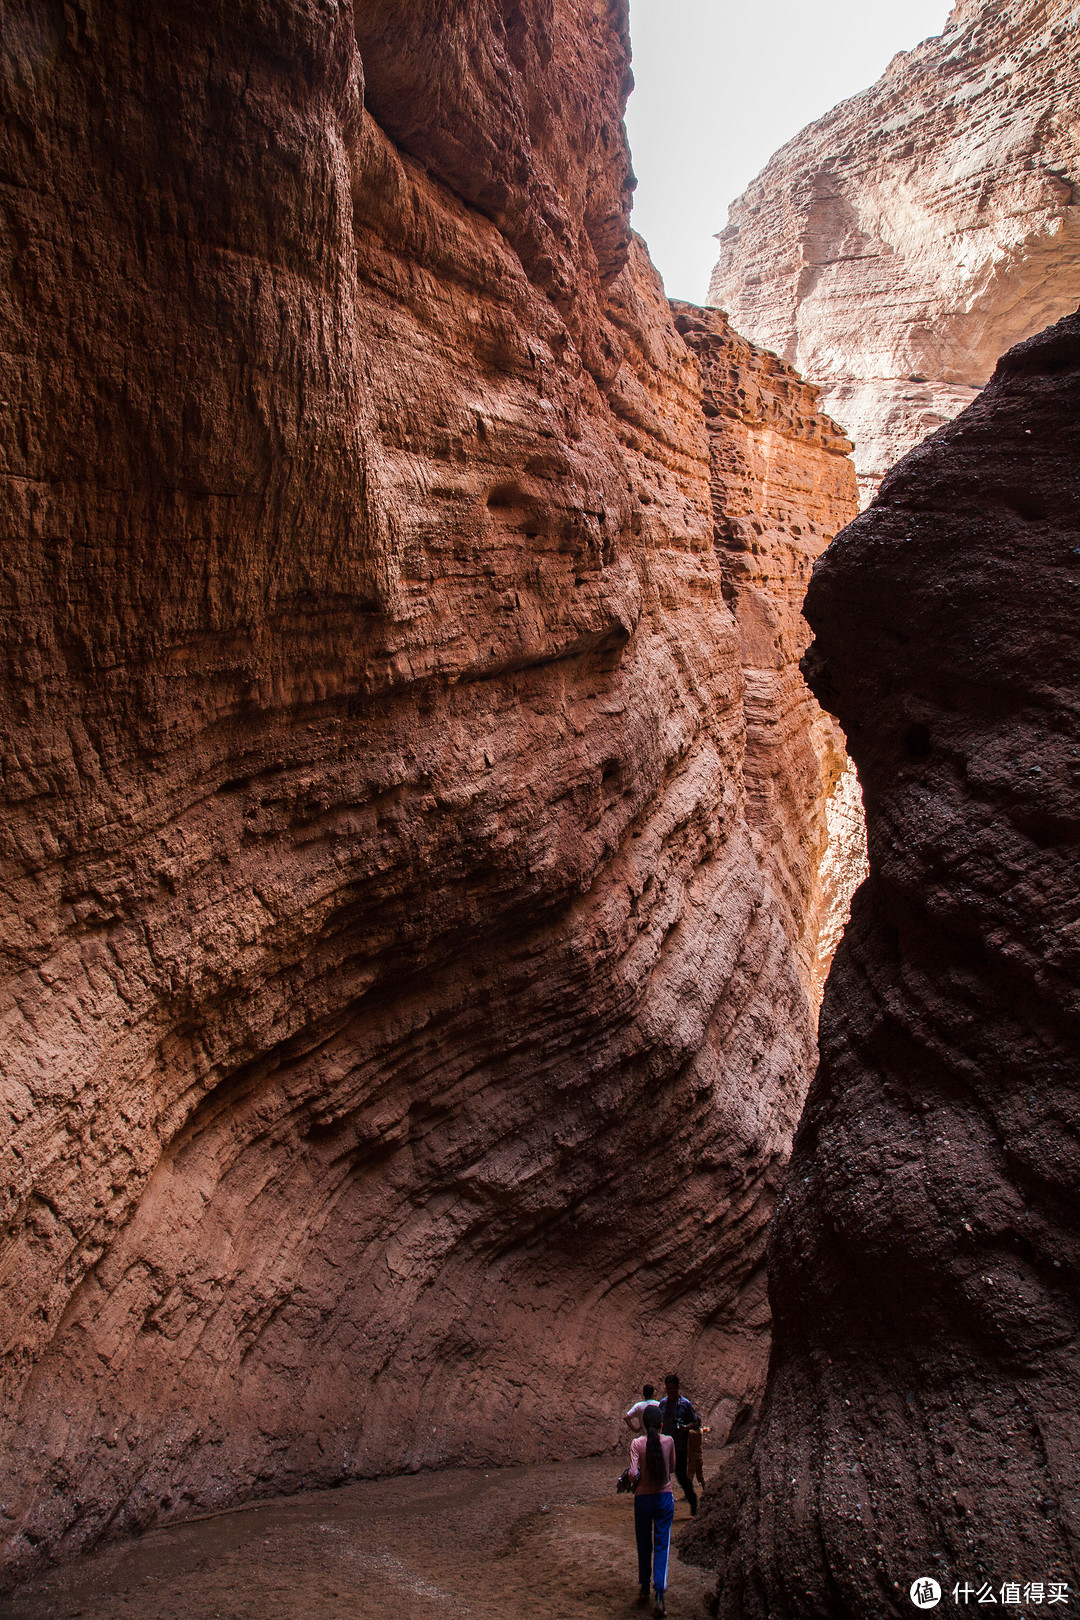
507,497
1026,504
917,741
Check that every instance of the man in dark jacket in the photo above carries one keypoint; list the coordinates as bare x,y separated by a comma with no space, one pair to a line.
677,1418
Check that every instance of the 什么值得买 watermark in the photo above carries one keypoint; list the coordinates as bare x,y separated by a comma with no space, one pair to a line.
925,1592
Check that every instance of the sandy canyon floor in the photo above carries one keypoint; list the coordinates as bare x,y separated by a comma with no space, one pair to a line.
499,1544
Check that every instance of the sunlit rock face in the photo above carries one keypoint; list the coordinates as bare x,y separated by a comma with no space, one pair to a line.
921,1416
898,245
842,868
783,484
401,1035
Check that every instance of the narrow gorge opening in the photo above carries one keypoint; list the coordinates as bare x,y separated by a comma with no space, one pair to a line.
782,486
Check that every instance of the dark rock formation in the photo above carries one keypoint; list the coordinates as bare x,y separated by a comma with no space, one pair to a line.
898,245
921,1416
399,1030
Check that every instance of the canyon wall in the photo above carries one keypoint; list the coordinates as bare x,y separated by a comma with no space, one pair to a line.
921,1416
401,1035
898,245
783,484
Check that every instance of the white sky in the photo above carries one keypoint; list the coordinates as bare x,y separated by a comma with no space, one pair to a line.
722,83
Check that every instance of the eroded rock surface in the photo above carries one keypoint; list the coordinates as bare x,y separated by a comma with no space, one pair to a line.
896,247
398,1026
921,1413
783,484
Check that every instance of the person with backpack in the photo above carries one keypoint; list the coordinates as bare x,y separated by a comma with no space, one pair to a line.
677,1418
652,1458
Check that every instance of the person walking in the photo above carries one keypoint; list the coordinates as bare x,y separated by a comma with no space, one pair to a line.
632,1418
677,1418
652,1457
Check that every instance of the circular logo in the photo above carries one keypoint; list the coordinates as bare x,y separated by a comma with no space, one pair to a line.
925,1592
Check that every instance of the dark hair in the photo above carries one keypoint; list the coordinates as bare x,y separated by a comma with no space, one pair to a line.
655,1461
672,1378
648,1392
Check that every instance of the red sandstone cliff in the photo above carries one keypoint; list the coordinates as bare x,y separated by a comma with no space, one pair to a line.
398,1028
898,245
783,484
921,1412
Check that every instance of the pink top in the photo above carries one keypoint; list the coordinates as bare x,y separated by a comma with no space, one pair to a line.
644,1481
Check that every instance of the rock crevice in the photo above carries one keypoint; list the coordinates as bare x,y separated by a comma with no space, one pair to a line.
782,484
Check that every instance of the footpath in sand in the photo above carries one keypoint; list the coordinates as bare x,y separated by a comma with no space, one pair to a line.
491,1544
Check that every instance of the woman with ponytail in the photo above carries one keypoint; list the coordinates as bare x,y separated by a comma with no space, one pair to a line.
652,1458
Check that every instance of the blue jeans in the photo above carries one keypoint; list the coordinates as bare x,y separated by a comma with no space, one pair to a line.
652,1526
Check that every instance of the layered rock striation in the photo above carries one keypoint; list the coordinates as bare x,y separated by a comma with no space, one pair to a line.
783,485
896,247
399,1029
921,1411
